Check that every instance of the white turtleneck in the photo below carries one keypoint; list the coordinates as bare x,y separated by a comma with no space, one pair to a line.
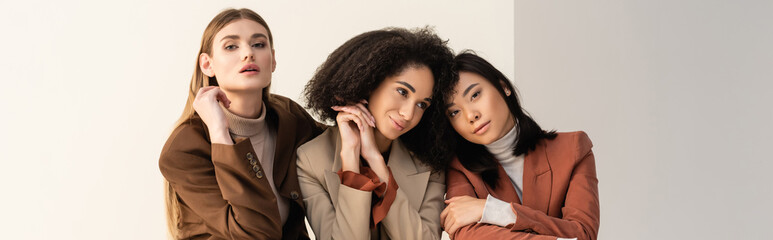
496,211
263,141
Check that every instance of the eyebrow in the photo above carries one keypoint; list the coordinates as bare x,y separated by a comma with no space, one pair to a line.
412,89
256,35
408,86
468,89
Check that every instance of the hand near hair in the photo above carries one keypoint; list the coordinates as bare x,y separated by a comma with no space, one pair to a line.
207,106
461,211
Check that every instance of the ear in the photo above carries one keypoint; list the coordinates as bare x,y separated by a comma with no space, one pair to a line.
504,86
273,60
205,64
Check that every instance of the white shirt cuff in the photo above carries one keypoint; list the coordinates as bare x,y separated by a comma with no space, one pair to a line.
497,212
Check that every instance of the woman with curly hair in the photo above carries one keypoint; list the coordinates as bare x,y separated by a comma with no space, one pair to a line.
511,179
229,165
371,176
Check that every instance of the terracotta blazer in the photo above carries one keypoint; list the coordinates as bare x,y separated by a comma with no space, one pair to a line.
560,193
337,211
222,192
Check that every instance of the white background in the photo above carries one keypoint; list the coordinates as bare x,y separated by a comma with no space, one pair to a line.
674,94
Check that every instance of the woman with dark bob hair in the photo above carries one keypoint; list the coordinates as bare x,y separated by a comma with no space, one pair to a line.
375,174
510,178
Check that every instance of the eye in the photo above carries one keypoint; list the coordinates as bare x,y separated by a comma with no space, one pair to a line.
259,45
475,95
402,91
231,47
422,105
452,113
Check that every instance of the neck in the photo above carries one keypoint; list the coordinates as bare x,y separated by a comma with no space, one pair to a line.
246,105
383,143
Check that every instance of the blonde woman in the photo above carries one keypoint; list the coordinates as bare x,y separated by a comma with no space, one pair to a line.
230,162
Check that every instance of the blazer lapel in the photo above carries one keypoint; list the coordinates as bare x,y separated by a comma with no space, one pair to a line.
332,180
505,190
285,140
537,180
412,179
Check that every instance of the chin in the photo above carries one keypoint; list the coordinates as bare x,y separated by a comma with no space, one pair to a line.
481,140
391,135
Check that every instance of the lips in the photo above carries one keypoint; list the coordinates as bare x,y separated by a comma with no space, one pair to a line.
398,125
250,68
481,128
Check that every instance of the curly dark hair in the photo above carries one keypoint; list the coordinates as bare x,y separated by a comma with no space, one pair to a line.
357,67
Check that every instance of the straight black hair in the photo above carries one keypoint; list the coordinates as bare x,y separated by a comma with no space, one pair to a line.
476,157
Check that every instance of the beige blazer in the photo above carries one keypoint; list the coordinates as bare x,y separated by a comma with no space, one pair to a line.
336,211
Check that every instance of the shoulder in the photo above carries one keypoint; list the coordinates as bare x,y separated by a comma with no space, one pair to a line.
282,104
288,111
455,164
567,145
321,148
190,138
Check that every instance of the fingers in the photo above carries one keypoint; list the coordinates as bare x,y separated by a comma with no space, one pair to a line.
452,229
453,199
448,224
205,89
223,98
344,117
358,110
365,111
355,111
208,92
443,216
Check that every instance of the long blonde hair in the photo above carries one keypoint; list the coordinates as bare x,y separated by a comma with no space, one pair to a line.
200,80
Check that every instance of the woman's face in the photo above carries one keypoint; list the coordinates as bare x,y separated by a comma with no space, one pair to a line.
242,58
399,101
477,111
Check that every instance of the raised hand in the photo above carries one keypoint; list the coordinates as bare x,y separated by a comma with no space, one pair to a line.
207,106
368,148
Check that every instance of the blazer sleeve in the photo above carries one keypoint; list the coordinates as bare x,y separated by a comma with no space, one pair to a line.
580,213
459,185
350,220
404,222
221,188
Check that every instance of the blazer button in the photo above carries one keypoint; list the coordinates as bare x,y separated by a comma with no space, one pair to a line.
294,195
255,168
253,162
249,156
259,174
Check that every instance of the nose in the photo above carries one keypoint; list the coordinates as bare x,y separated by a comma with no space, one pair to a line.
473,116
248,55
406,111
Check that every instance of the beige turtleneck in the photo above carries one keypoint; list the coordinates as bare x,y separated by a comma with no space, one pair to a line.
263,141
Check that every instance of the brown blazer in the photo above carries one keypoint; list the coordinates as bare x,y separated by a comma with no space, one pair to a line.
337,211
221,194
560,193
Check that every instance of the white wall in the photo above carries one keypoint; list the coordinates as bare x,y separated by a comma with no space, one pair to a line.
676,96
673,94
91,90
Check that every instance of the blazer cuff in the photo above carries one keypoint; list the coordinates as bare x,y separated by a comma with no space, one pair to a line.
387,197
497,212
364,181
